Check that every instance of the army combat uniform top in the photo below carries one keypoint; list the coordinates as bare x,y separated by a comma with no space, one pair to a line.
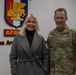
62,50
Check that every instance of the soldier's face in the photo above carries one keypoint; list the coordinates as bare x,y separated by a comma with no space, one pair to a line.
60,20
31,24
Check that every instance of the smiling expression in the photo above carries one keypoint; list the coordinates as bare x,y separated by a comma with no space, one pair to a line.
60,20
31,24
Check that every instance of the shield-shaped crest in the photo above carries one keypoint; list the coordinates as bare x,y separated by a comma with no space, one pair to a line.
15,12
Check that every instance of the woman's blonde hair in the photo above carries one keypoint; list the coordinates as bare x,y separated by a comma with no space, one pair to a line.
22,31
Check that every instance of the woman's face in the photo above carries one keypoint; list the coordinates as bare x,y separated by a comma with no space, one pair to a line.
31,24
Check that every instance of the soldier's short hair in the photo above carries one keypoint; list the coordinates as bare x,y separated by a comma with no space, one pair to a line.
60,10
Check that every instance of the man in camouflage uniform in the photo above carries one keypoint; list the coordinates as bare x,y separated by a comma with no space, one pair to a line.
61,43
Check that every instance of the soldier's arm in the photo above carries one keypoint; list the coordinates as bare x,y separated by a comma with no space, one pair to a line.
48,43
74,51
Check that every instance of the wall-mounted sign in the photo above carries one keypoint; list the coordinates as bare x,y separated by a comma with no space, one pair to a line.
15,14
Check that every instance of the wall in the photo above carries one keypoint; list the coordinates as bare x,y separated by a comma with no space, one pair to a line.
43,9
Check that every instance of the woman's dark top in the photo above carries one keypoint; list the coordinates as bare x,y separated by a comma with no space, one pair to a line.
30,35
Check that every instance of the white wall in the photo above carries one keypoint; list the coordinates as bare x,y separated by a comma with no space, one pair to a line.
44,10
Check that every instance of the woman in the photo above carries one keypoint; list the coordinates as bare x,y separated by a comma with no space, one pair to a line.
28,54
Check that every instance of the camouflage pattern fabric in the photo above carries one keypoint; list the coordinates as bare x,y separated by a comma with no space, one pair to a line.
62,50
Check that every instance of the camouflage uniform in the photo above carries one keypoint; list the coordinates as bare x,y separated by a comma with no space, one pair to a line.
62,51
